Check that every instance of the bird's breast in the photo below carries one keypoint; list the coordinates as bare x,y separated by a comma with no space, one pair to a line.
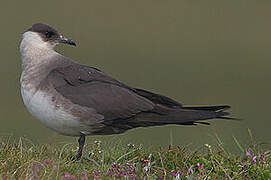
41,105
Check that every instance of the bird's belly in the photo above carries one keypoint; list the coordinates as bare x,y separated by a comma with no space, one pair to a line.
41,106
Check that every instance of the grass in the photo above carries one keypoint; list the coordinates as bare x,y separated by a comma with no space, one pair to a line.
24,160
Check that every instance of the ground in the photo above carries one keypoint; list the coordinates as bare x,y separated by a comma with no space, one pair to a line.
22,159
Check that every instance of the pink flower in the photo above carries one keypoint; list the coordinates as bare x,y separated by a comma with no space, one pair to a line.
67,175
132,171
107,172
254,159
191,170
96,174
248,153
173,173
179,172
46,162
263,156
118,175
84,176
200,165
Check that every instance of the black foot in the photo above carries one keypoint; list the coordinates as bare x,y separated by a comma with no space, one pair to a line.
81,142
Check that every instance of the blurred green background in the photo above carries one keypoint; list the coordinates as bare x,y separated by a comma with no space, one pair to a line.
198,52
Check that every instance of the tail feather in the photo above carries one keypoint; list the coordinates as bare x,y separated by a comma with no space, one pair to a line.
181,116
229,118
208,108
162,115
220,108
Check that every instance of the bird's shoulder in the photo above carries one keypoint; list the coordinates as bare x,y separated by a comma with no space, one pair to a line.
77,74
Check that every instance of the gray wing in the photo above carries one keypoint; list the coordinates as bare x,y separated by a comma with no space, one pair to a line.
89,87
117,107
158,98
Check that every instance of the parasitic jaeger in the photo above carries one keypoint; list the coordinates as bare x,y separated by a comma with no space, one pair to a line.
78,100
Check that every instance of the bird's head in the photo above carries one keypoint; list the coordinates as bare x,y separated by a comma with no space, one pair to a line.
42,35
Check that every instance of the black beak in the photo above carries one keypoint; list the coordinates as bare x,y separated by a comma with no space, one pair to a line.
64,40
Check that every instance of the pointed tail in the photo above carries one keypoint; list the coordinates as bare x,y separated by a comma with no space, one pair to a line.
208,108
189,115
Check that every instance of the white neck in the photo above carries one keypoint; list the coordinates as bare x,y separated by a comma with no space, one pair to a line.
35,51
33,39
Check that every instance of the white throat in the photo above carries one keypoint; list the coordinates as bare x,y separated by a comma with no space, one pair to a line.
34,40
34,50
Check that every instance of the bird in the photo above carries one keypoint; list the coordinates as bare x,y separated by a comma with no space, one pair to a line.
79,100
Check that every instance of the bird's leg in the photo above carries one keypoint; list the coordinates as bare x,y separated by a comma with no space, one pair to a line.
81,142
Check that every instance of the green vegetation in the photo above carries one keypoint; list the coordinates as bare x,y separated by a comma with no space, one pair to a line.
25,160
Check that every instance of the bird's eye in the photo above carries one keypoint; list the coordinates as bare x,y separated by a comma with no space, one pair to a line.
48,34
